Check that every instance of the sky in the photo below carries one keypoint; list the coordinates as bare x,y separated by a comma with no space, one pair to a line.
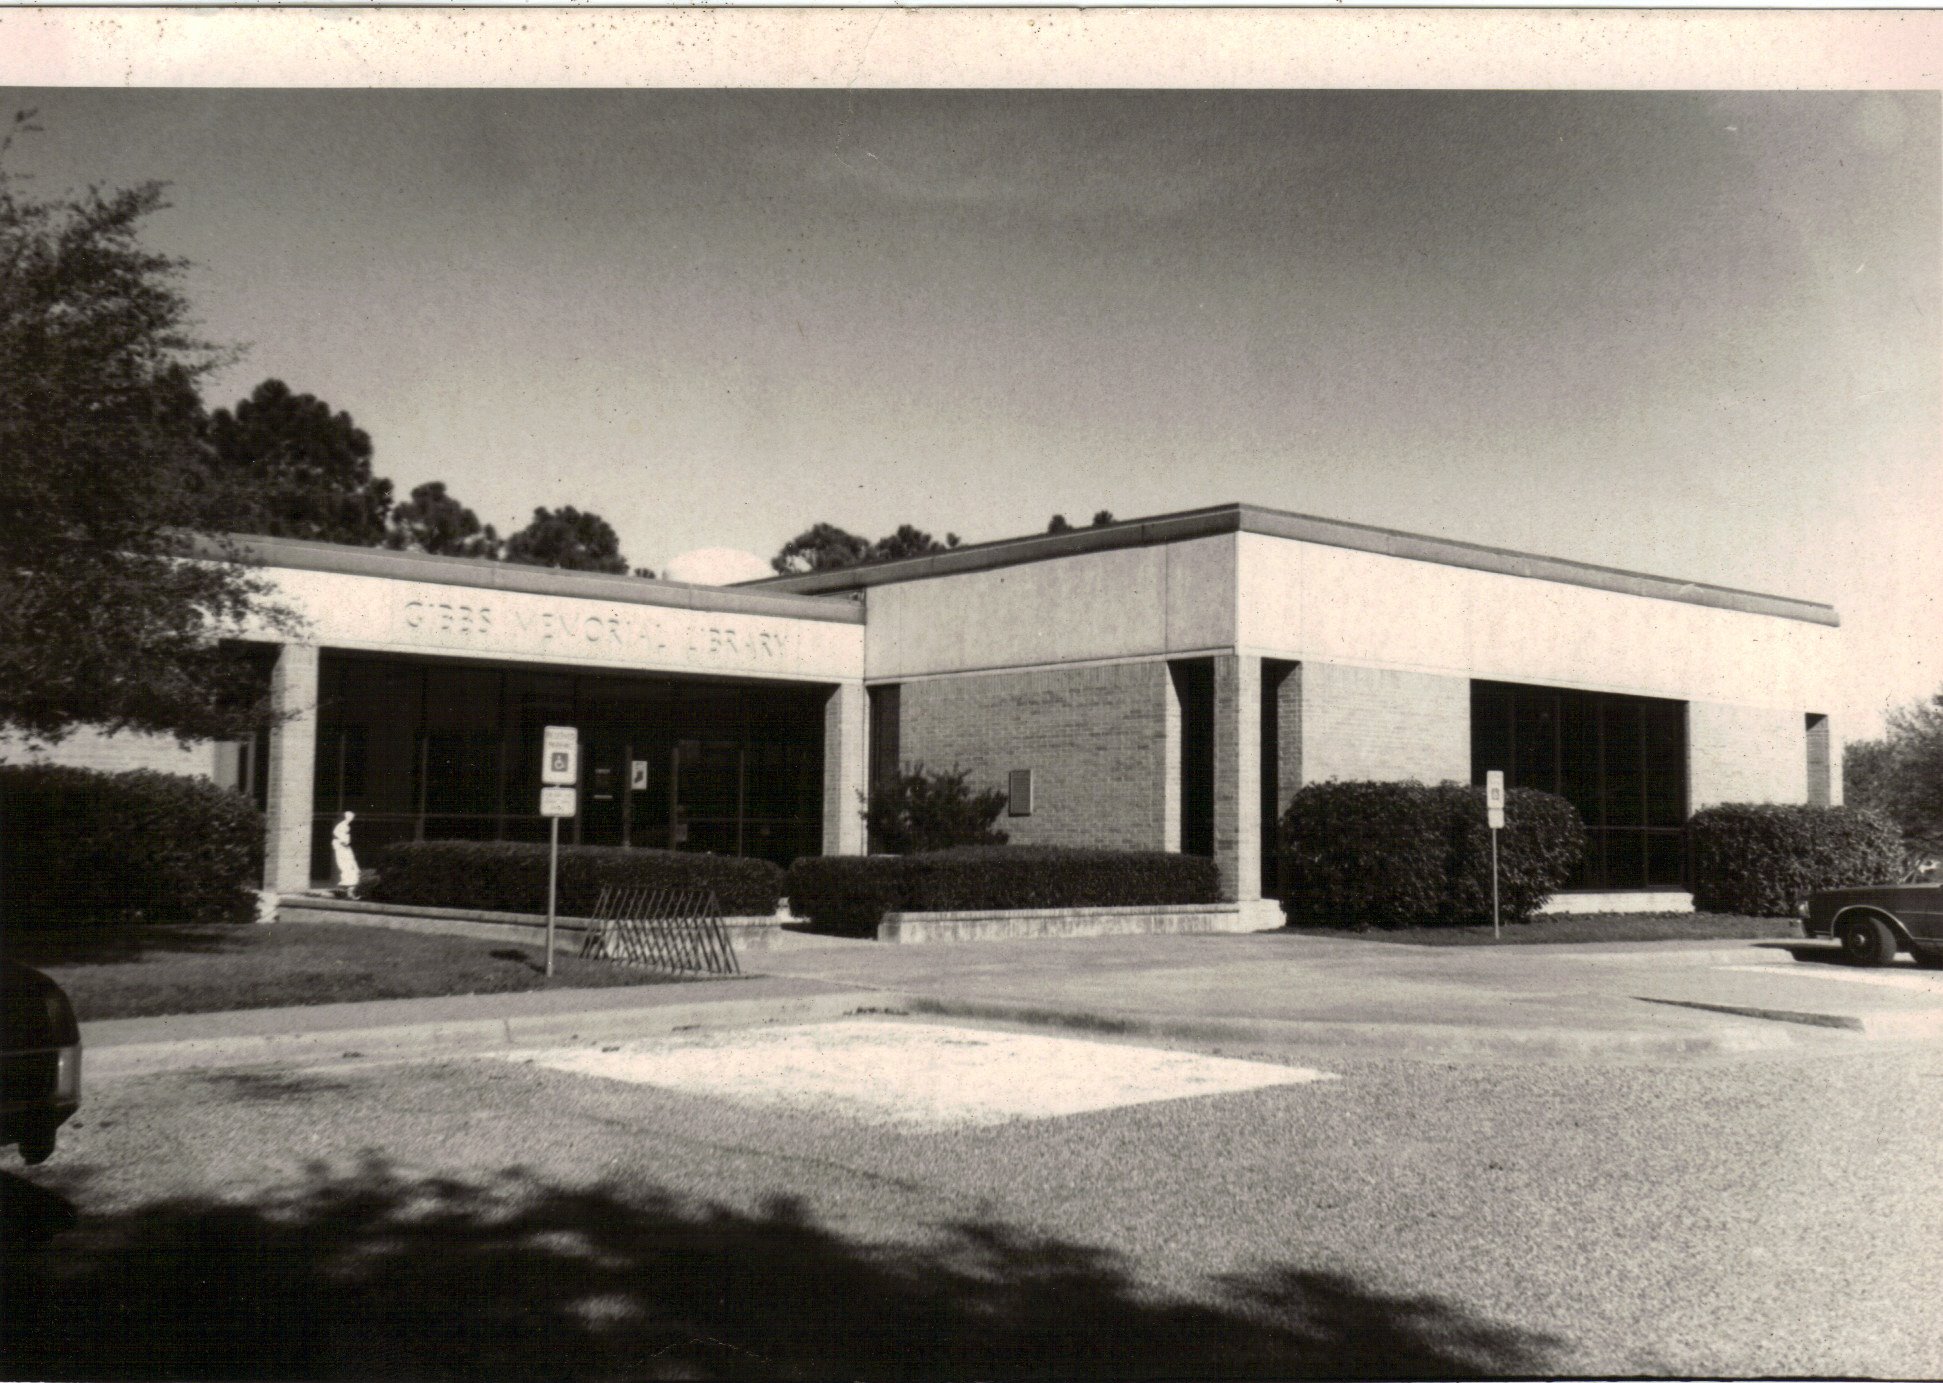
1694,334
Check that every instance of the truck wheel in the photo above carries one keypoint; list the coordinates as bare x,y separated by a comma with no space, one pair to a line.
36,1148
1868,941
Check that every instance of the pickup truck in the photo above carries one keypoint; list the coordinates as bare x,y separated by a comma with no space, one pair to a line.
1875,922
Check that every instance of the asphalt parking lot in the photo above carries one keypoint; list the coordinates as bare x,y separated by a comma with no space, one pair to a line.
1341,1211
1196,1156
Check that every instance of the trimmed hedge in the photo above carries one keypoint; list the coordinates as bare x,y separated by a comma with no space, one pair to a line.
845,895
1760,859
79,848
850,895
1361,854
510,876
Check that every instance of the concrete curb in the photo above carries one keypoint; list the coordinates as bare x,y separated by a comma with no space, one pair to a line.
458,1036
1413,1038
1772,950
1889,1023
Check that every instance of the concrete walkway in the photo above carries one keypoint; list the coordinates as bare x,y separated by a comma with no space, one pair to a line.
1270,989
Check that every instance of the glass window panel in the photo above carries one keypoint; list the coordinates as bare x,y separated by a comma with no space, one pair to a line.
1534,746
1490,729
460,828
1666,858
709,779
462,772
1625,798
1666,763
1578,779
1621,760
367,735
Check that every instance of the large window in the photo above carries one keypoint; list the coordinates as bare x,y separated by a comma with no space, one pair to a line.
451,751
1621,760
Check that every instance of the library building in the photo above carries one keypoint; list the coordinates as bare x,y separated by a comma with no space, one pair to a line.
1162,683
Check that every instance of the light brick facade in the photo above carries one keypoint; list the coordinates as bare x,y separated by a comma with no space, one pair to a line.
1095,738
1383,724
1747,754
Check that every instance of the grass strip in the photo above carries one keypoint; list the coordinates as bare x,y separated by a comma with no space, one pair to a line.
139,972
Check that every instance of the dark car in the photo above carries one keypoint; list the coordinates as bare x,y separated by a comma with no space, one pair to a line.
1876,922
40,1068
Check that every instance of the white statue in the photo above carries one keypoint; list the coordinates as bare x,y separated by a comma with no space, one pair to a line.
347,863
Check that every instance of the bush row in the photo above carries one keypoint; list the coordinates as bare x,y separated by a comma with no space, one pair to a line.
1365,854
849,895
510,876
80,847
1761,859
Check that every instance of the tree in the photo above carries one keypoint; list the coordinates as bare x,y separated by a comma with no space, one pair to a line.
1103,518
909,542
432,521
104,472
298,470
565,537
825,547
921,809
1058,524
1901,774
821,547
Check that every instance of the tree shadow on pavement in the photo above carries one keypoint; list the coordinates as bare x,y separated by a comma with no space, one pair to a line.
382,1276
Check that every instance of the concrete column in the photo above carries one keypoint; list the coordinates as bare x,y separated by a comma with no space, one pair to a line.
846,763
291,770
1288,755
1170,763
1835,798
1238,776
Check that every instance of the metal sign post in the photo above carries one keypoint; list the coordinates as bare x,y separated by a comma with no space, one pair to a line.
1494,817
559,772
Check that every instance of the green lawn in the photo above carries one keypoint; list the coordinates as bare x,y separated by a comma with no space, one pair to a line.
1598,926
133,972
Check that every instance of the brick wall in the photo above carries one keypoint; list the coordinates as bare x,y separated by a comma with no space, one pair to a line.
88,748
1383,725
1747,754
1094,737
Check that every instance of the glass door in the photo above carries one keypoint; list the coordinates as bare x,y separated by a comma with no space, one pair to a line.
706,790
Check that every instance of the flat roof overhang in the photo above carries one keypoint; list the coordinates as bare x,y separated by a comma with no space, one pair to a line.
302,554
1307,528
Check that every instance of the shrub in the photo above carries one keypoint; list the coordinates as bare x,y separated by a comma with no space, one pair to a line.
510,876
1542,842
929,809
845,895
1761,859
1365,854
80,847
850,896
978,877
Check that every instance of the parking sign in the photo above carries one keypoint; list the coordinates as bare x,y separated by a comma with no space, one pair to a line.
560,757
1494,798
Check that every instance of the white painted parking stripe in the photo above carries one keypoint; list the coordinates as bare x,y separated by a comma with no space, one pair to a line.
1919,981
918,1077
